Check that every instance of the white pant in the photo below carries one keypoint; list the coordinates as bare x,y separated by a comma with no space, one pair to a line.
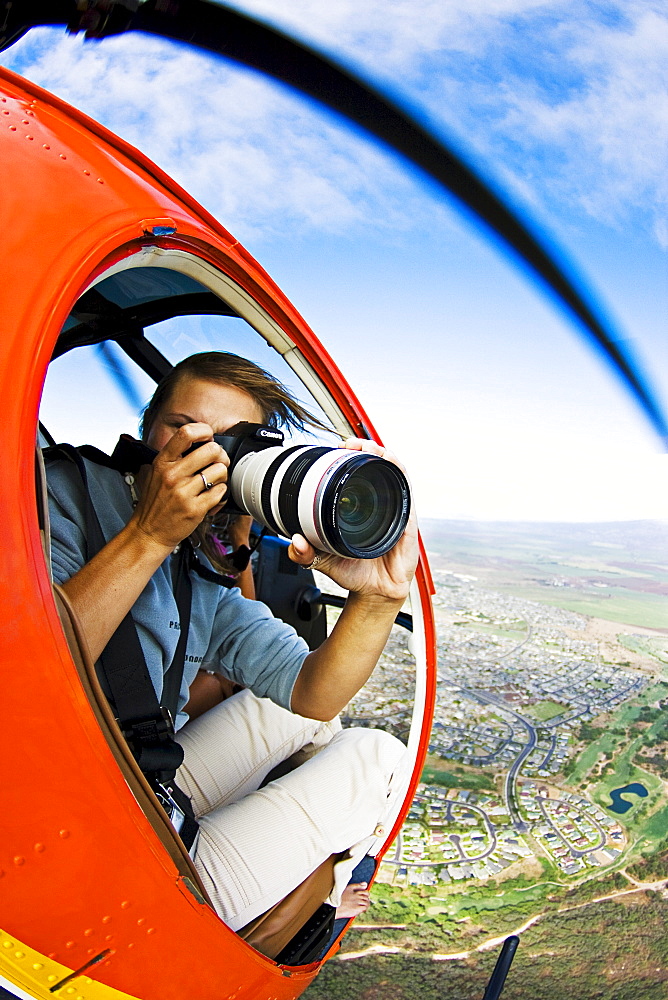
256,844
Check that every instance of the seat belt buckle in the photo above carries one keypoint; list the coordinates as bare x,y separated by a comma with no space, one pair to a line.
152,731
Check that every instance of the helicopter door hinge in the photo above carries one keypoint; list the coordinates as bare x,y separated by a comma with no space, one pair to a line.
158,227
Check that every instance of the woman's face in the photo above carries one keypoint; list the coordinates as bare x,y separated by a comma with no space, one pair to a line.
195,400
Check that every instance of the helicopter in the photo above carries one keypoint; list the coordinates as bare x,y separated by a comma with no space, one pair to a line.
100,899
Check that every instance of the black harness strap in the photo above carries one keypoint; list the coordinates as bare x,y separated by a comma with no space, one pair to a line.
147,726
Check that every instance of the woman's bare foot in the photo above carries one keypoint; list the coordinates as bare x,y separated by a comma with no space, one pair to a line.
355,899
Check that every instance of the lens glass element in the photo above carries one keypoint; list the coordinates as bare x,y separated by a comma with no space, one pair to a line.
362,511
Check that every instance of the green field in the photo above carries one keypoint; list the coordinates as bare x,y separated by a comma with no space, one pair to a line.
607,950
616,571
623,606
626,773
437,771
606,744
646,645
624,736
504,633
545,710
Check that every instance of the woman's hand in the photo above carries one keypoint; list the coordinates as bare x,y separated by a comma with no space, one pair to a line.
173,501
388,577
175,492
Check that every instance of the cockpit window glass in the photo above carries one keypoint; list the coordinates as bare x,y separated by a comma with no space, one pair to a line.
93,394
145,284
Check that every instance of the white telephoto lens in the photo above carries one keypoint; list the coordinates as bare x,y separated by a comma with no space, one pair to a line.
348,503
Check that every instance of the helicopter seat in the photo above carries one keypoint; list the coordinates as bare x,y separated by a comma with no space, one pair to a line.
297,929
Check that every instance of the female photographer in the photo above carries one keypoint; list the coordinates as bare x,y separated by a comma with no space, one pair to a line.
256,843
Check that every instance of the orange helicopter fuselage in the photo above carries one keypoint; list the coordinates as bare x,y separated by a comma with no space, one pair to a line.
82,870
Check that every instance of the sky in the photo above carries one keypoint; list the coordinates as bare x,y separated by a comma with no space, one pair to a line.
470,373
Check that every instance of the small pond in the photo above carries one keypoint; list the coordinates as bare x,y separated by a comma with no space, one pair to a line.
620,805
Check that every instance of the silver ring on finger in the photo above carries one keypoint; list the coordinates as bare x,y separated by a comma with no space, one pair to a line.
207,484
315,563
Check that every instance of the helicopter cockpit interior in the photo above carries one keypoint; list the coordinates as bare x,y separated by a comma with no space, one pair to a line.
124,334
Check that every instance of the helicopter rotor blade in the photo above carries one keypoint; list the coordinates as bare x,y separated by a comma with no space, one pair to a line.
246,40
120,375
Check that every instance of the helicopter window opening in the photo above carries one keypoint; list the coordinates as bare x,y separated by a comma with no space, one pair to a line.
93,394
185,305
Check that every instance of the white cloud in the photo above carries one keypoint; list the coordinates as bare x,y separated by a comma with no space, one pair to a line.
257,157
568,101
399,32
612,131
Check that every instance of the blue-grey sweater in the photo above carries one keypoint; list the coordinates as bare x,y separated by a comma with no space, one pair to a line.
229,634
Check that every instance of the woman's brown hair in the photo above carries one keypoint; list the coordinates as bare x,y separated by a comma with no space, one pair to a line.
279,407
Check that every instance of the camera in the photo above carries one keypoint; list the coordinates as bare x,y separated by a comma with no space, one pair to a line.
347,503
